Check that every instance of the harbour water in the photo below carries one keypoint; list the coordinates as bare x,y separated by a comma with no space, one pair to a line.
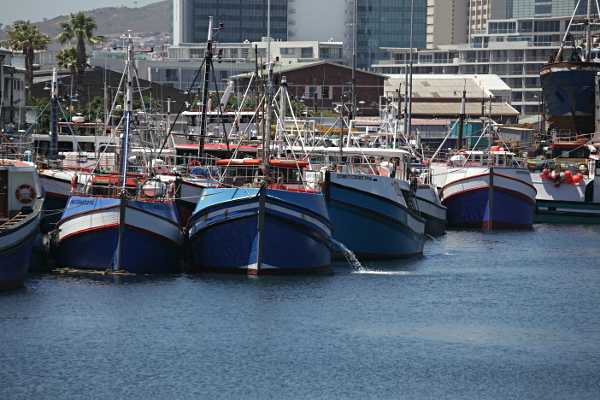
501,315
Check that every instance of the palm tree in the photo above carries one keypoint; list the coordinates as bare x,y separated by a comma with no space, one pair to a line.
27,38
67,58
80,27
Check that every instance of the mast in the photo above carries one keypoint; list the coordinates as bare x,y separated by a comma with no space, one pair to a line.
588,31
409,84
267,118
128,111
125,150
207,66
54,116
461,119
354,41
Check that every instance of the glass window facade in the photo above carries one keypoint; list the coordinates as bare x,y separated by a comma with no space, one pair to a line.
544,8
386,23
243,19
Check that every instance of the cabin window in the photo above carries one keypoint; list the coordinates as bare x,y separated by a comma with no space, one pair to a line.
86,146
65,146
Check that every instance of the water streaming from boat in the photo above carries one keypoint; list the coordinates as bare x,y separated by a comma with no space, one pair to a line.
352,260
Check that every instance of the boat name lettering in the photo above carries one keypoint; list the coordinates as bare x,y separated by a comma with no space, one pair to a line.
160,207
82,202
359,177
397,188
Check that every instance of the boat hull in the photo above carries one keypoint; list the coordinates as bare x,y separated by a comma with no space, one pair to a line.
22,218
15,257
568,89
224,233
466,194
432,210
88,235
566,203
372,218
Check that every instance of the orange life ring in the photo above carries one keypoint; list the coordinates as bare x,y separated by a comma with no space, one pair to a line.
25,194
194,163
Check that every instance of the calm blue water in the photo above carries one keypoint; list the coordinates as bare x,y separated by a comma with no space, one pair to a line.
503,315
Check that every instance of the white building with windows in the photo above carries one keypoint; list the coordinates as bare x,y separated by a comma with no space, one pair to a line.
180,68
513,49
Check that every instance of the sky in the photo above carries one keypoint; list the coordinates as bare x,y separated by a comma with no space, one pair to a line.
37,10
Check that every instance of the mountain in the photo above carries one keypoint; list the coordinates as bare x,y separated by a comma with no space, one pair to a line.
151,20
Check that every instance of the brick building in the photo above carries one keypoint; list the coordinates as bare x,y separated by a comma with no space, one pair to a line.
322,85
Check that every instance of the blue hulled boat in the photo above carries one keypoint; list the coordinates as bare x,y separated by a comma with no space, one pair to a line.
485,189
121,222
375,216
21,216
89,231
568,90
568,80
270,229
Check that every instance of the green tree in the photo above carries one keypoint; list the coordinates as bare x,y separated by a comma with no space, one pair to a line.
27,38
80,27
43,120
67,58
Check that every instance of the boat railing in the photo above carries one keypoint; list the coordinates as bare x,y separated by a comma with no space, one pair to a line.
285,178
110,185
568,136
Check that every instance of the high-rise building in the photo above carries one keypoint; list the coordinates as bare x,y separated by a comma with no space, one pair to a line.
381,23
446,22
514,48
245,20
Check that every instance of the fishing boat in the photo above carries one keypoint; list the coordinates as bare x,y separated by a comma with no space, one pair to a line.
121,222
564,179
21,220
568,79
371,201
566,195
263,220
485,187
370,197
564,174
